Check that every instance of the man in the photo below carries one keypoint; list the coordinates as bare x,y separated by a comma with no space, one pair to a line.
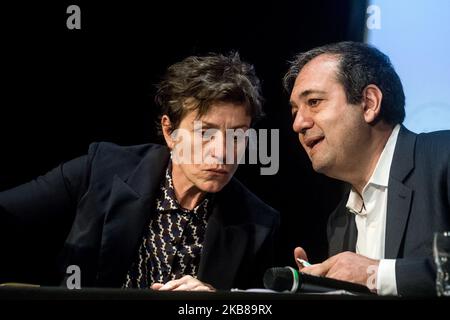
149,215
348,108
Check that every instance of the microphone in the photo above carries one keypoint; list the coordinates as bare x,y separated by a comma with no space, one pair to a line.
287,279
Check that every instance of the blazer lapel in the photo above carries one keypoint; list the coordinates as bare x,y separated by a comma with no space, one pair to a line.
398,208
399,195
352,234
344,229
223,251
129,207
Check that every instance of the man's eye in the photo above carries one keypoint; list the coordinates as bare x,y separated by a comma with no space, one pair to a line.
313,102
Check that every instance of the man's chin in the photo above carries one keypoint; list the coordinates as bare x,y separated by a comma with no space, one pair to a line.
319,167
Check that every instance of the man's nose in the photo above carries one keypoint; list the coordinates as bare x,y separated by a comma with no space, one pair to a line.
302,121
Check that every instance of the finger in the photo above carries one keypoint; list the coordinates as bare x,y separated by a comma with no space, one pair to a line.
299,253
187,277
171,285
321,269
192,286
156,286
182,287
203,288
188,285
315,270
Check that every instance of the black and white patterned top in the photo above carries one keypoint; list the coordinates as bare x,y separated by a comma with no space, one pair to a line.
172,243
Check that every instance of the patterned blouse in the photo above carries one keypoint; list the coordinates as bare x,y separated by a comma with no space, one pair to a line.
172,242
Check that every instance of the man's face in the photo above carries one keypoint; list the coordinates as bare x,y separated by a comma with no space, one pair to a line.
200,156
330,129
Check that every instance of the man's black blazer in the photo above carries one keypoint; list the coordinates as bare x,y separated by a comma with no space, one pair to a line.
418,205
100,203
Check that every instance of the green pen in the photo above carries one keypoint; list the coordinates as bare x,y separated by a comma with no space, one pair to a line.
304,262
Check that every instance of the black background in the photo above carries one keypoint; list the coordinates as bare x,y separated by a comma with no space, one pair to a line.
63,89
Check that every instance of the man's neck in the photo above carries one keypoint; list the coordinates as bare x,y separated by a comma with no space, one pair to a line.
188,195
380,136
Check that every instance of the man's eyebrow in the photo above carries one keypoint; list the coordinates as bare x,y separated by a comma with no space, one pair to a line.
304,94
311,91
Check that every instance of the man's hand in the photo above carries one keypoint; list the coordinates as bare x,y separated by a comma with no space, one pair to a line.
186,283
347,266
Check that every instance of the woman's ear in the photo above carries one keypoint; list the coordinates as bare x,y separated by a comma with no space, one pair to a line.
166,127
372,97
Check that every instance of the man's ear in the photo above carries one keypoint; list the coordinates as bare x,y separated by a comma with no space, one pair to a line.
166,127
372,97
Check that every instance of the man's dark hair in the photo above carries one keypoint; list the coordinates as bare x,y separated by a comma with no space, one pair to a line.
196,83
359,65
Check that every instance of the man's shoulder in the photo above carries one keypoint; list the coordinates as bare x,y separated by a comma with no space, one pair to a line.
430,146
433,148
436,139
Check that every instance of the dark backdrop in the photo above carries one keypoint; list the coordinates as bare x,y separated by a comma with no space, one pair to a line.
63,89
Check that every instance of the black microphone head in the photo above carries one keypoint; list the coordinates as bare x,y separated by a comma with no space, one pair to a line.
287,279
279,279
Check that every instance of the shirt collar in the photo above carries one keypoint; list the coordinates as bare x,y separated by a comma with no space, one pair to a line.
355,203
380,176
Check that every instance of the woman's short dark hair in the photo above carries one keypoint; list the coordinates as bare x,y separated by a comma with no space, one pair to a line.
359,65
196,83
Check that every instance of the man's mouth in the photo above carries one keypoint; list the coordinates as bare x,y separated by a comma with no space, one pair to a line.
311,142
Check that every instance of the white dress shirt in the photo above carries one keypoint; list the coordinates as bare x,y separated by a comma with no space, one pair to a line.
370,210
